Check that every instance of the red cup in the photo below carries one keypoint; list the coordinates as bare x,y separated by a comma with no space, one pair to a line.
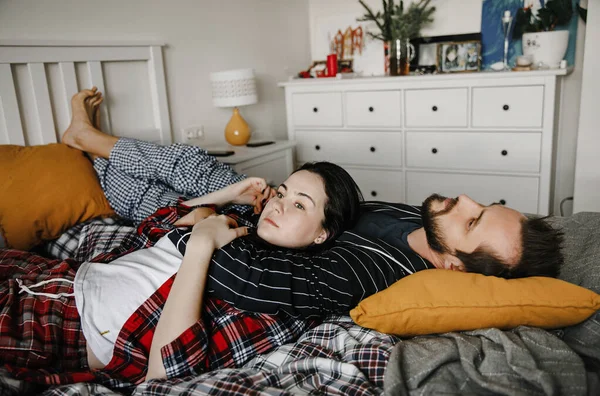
332,66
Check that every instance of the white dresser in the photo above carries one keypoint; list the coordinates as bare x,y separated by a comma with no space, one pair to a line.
489,135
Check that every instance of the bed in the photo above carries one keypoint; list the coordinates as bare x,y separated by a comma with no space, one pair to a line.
337,356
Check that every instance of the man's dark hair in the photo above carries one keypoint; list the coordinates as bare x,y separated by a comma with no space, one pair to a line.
540,253
342,207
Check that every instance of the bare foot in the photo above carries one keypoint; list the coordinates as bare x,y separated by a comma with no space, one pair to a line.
80,120
82,133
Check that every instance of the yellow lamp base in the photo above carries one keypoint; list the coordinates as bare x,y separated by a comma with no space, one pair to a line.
237,131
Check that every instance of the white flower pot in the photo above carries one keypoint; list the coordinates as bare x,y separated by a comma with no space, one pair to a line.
546,49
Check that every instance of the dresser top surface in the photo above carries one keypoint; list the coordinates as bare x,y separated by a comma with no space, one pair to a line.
428,77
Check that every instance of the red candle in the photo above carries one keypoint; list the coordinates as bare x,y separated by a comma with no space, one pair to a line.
332,65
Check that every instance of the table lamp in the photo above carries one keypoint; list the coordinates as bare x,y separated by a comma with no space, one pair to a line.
234,88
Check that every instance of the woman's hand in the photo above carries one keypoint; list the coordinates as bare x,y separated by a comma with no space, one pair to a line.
252,191
218,230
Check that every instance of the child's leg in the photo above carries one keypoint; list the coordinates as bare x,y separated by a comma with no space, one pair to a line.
131,197
186,169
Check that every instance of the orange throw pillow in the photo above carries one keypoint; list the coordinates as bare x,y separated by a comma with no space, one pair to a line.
44,190
439,301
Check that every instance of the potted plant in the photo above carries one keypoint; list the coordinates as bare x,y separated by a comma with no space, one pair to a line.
545,45
396,28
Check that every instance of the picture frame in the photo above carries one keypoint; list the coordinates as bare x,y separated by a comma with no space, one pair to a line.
459,56
426,51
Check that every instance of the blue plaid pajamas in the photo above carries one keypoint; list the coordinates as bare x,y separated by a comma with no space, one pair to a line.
140,177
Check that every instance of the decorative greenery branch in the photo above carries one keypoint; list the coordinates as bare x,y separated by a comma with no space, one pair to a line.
394,22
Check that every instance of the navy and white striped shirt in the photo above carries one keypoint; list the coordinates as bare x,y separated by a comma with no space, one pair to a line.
363,261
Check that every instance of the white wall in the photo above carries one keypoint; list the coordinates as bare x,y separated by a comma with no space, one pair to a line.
203,36
449,19
587,175
464,16
566,142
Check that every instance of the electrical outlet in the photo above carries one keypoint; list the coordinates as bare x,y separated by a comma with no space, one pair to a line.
193,132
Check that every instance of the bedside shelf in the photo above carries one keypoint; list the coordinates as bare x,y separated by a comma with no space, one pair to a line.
273,162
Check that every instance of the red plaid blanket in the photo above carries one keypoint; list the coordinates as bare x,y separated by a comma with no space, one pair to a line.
225,337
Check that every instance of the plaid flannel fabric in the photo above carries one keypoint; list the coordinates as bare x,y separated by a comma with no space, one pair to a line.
336,357
100,235
225,337
37,331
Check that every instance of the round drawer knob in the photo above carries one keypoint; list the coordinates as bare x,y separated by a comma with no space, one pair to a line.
371,109
434,150
434,108
315,109
317,147
504,152
372,149
506,107
502,202
373,193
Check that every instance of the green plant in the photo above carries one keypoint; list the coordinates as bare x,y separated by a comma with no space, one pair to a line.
554,13
395,22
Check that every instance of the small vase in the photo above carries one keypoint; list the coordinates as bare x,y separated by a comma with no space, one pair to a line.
546,49
399,52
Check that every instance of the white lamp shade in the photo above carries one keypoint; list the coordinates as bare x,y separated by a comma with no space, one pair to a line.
233,88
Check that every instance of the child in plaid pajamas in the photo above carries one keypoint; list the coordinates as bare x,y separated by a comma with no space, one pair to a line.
139,177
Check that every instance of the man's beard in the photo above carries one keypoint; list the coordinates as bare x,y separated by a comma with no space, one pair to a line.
431,224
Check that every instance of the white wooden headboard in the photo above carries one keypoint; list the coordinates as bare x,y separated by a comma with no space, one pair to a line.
38,79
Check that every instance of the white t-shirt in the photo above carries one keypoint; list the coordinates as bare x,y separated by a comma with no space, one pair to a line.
107,294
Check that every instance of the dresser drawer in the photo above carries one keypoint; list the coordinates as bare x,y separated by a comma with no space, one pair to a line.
379,185
317,109
520,193
436,107
474,151
360,148
508,106
373,109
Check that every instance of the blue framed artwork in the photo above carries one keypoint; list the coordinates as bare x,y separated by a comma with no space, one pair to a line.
492,38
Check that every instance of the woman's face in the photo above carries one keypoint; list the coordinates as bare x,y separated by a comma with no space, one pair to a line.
293,217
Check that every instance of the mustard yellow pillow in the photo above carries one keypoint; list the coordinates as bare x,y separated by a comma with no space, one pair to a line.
439,301
43,191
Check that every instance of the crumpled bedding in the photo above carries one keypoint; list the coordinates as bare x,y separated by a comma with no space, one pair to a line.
522,361
339,357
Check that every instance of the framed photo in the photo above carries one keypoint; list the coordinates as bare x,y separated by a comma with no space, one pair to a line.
426,51
461,56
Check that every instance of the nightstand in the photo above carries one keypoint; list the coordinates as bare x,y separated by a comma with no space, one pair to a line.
273,162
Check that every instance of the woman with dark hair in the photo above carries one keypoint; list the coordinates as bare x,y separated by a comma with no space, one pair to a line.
94,315
340,206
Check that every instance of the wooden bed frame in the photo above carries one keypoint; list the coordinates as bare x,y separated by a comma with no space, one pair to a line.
38,79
